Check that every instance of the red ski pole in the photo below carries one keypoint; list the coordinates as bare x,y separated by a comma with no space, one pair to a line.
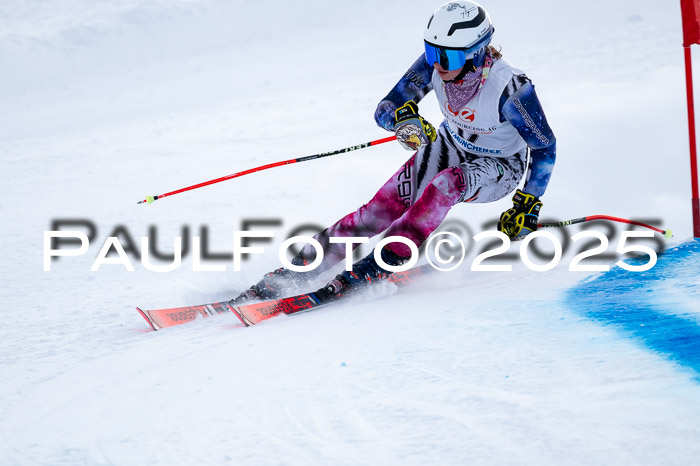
151,199
667,233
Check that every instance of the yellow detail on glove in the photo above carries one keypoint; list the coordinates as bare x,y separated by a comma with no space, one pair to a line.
412,131
521,219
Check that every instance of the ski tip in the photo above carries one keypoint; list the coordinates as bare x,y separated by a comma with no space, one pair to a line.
668,234
150,322
236,310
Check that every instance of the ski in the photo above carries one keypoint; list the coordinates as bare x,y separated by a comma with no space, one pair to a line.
162,318
251,314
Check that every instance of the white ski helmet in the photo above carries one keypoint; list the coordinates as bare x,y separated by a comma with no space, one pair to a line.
458,32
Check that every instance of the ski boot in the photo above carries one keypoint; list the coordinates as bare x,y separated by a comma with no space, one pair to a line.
363,273
276,284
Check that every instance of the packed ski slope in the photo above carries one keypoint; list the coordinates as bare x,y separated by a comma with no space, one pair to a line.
106,102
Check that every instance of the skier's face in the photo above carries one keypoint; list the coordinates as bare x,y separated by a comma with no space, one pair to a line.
444,74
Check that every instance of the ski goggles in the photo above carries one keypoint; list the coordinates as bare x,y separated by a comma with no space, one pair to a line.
452,58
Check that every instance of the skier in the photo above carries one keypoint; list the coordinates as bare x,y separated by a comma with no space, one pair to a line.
493,118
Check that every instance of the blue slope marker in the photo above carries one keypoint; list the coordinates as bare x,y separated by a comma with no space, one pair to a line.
624,300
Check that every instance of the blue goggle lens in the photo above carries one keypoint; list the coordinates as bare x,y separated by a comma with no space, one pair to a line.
454,59
449,59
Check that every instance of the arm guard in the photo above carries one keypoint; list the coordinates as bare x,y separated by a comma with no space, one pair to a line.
414,85
521,107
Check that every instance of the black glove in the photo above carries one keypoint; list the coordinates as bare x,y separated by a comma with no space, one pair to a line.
412,131
521,220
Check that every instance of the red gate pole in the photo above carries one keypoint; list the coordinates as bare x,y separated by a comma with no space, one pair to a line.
693,146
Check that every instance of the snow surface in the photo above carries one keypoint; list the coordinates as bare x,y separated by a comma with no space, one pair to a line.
105,102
